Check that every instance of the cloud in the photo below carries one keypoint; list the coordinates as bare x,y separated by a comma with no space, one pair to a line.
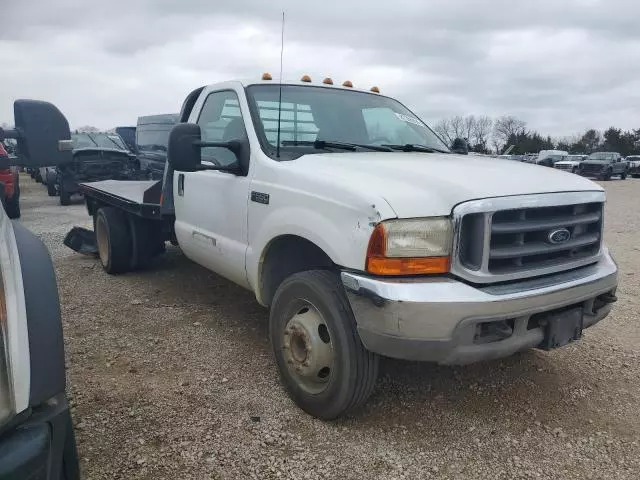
560,66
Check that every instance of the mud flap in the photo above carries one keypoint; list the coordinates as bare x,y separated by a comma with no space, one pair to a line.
82,240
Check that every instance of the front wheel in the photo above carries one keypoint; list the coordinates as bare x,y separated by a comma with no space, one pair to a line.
324,366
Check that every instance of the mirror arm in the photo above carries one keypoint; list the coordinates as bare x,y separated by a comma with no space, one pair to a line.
11,133
212,144
228,168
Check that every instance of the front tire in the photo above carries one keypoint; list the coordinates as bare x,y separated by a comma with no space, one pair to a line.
323,365
113,239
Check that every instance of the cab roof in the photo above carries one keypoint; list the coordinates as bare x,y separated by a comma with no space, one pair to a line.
305,83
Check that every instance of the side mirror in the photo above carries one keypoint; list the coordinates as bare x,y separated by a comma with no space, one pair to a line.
459,146
184,153
42,133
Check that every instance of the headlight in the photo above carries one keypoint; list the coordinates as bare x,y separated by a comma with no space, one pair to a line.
410,247
6,396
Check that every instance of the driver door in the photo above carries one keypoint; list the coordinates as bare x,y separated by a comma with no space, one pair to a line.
211,206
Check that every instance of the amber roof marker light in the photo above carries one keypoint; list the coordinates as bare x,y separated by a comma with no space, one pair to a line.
306,79
327,81
266,76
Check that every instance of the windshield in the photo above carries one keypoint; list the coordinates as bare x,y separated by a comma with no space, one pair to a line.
153,138
602,157
333,115
99,140
556,158
119,143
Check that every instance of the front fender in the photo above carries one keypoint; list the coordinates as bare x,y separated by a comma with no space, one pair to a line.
342,234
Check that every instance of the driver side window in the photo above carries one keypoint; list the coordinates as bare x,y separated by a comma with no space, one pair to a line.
220,120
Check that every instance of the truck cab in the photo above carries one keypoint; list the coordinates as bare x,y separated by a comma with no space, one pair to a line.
363,234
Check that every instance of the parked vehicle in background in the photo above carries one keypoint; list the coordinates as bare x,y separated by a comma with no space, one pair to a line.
604,165
364,235
128,135
152,136
548,158
633,162
9,184
571,163
96,156
36,434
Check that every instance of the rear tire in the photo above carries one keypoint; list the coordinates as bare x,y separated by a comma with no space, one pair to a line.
323,365
51,188
623,176
65,196
114,240
147,241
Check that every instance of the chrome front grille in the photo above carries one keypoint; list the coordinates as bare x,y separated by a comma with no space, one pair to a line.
511,238
592,168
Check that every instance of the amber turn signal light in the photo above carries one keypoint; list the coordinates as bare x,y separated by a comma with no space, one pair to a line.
379,264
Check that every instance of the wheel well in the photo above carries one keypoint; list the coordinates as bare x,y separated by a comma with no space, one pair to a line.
285,256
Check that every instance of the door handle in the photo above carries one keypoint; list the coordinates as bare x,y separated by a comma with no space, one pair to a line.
181,185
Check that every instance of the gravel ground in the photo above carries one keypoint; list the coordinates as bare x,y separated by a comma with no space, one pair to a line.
171,376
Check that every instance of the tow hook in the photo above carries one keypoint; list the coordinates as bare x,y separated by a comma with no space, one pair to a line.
607,298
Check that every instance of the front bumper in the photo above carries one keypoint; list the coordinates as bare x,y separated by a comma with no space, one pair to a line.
42,447
446,320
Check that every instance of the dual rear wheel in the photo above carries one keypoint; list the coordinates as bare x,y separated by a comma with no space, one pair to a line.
125,242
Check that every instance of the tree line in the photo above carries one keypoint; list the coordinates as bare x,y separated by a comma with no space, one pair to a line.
484,134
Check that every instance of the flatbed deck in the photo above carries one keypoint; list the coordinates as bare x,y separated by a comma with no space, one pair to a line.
139,197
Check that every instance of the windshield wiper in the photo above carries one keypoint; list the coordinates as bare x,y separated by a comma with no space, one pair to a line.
114,142
415,148
92,139
323,144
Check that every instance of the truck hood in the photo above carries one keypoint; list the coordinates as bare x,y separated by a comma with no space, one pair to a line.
573,163
431,184
603,163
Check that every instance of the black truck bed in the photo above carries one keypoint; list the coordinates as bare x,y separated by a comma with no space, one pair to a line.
139,197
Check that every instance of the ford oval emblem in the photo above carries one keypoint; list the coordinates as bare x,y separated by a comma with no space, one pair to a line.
558,236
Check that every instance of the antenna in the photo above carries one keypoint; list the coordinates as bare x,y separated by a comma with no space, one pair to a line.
280,90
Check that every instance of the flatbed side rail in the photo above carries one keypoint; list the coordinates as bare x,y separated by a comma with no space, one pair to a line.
143,209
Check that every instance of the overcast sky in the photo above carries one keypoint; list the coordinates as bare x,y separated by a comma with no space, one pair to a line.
560,65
